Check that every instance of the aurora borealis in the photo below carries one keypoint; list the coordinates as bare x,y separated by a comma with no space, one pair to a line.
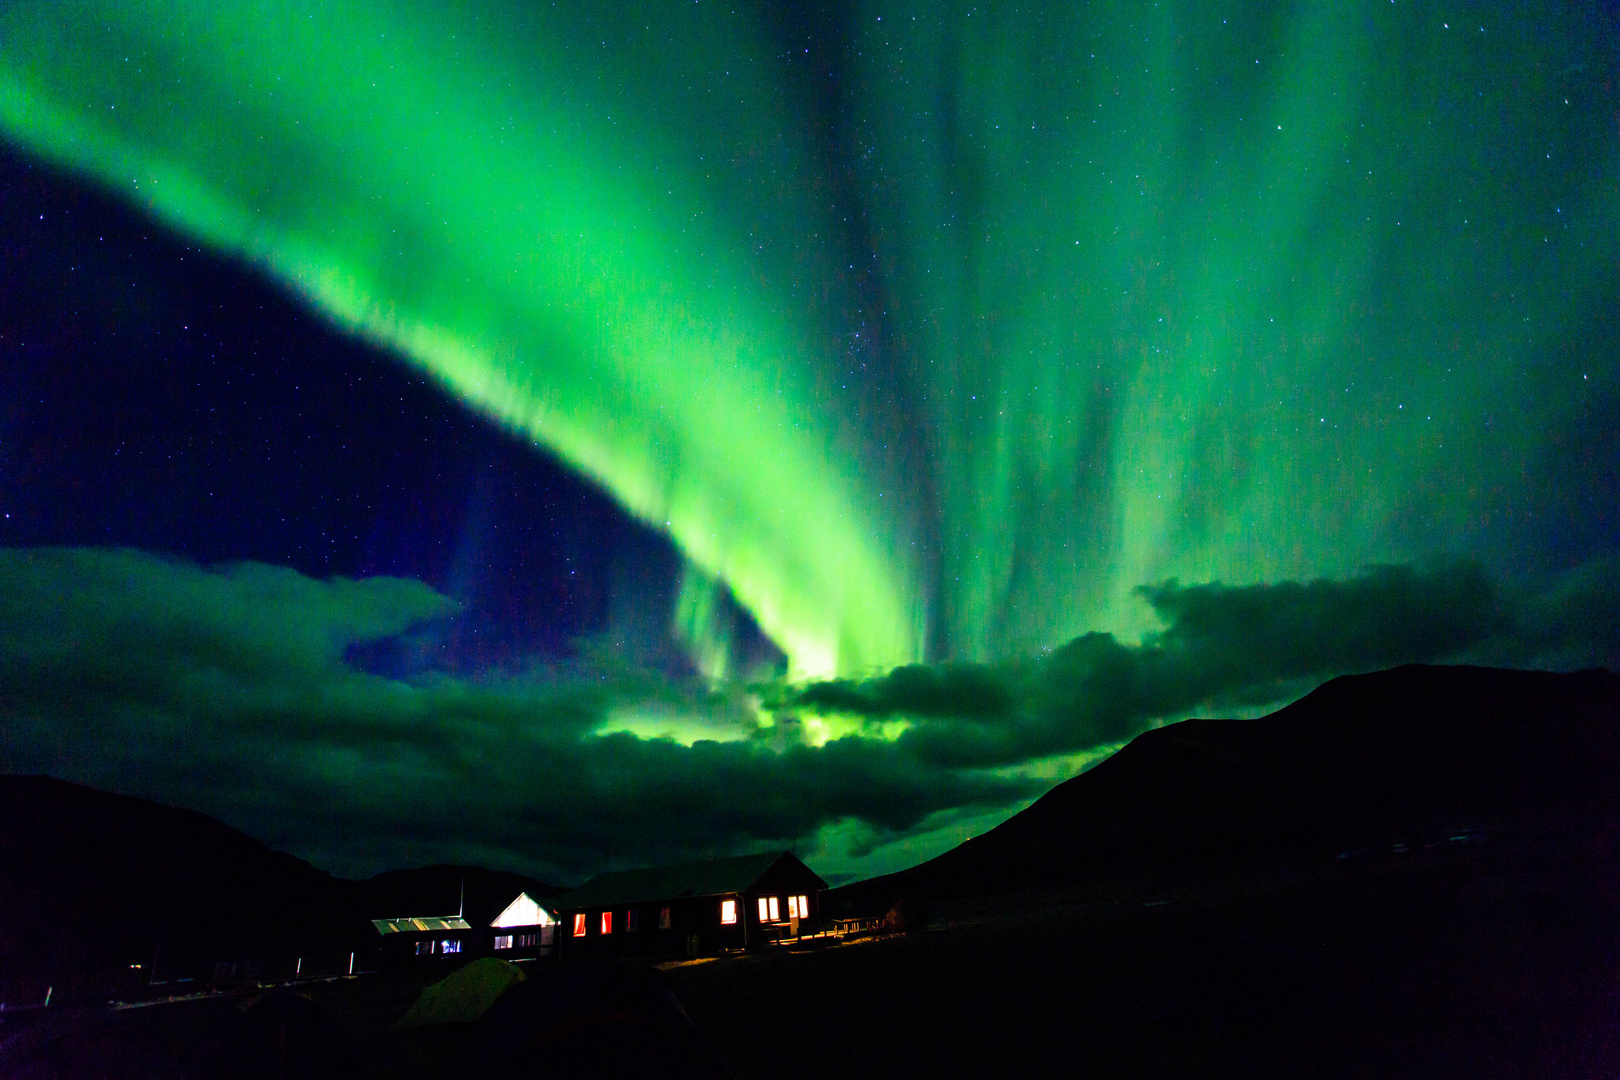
974,336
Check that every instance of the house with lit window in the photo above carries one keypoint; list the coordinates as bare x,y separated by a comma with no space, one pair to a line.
496,914
523,929
690,909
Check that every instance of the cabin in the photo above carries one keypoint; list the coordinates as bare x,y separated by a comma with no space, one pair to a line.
496,914
523,929
424,936
691,909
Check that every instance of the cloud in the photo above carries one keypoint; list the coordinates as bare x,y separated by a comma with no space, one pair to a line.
1245,643
231,690
1233,647
228,689
1573,623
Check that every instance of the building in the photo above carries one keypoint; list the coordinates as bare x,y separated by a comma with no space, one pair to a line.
690,909
523,928
496,914
424,936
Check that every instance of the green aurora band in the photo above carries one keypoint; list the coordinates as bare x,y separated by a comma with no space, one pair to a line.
1145,289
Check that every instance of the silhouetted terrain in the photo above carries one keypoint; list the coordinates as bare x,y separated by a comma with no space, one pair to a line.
1411,873
89,879
92,883
1413,755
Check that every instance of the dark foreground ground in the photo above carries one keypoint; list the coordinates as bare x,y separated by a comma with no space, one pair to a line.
1472,964
1497,959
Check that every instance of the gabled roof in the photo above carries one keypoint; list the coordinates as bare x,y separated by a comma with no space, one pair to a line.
523,911
715,877
411,926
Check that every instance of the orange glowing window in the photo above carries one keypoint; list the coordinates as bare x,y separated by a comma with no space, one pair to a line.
776,909
607,922
799,907
764,910
579,925
728,911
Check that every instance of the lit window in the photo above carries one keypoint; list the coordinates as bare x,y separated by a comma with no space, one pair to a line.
728,911
579,925
804,907
449,945
503,941
776,910
794,910
525,941
764,910
630,921
663,916
607,922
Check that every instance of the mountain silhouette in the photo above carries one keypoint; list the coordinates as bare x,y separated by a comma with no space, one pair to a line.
92,881
1413,754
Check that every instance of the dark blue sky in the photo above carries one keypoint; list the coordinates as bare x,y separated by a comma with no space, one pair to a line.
160,397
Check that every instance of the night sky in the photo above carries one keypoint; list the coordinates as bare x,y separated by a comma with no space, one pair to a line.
571,436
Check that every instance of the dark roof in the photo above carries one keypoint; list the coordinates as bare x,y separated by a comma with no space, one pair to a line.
714,877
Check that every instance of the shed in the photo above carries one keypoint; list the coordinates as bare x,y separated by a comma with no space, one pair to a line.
424,935
691,909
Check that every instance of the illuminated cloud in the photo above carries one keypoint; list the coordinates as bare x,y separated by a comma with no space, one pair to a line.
227,689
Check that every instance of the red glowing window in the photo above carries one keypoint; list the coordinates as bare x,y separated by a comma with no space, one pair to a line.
579,925
607,922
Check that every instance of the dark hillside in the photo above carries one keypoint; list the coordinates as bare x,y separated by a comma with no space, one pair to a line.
92,883
91,880
1409,755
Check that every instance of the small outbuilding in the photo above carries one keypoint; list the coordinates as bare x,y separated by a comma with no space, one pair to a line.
691,909
425,935
496,914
